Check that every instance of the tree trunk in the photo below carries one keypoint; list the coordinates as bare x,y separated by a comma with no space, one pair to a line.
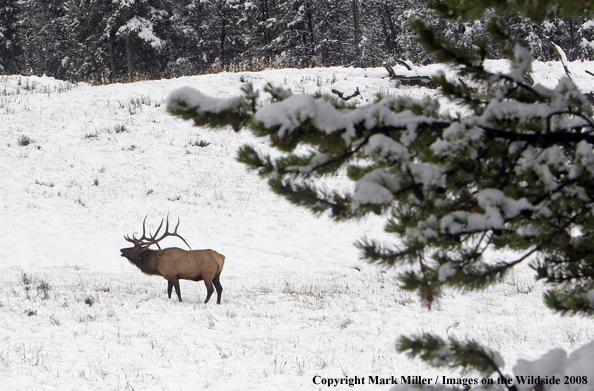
357,29
129,57
223,36
265,17
198,18
112,77
310,28
389,29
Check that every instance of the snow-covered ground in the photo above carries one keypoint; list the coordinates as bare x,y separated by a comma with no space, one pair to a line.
83,165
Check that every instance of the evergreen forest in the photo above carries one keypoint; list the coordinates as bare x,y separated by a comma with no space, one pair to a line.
118,40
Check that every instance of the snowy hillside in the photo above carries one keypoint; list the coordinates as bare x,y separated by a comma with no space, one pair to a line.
83,165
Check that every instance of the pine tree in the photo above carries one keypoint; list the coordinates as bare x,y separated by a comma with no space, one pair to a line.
395,37
262,20
88,52
228,23
514,173
297,42
9,46
136,31
335,23
41,37
189,51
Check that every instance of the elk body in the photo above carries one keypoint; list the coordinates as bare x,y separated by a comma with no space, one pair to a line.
174,263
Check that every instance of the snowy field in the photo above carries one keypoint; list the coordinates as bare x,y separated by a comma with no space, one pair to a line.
83,165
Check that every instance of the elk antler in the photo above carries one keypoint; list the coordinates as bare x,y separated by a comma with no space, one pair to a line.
145,241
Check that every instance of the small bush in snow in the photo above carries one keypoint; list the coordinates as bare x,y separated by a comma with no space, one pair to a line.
23,141
199,143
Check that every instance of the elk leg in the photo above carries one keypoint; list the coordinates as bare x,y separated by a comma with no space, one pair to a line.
169,288
218,287
209,290
177,290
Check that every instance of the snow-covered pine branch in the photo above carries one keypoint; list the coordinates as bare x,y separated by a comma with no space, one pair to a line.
512,174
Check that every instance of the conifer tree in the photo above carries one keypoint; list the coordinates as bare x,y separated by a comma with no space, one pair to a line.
262,19
395,37
9,46
190,51
41,37
87,57
228,26
458,191
298,40
136,31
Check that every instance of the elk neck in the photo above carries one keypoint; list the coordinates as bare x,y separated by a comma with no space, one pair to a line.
147,262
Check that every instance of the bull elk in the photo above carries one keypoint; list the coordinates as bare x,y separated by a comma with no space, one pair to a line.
174,263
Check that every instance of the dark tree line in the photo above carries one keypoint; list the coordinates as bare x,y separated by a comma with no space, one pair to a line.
109,40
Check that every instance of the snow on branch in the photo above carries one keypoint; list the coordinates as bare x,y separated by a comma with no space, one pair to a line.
192,100
143,28
512,172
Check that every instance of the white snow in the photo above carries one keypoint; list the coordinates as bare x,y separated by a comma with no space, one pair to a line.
497,208
573,372
83,165
447,270
144,29
387,148
495,198
291,112
195,98
425,230
376,187
560,52
346,88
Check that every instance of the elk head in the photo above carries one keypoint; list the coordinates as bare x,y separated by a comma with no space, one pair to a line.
143,243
